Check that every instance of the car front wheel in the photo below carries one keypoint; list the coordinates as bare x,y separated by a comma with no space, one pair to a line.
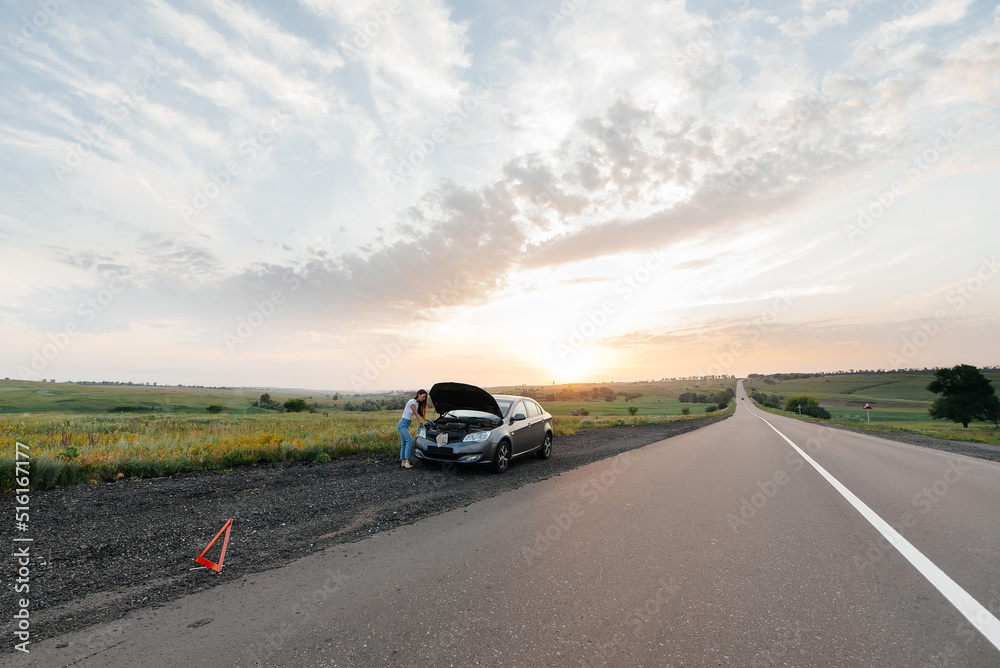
546,450
501,459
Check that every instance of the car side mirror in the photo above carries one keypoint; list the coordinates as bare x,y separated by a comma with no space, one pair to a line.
519,416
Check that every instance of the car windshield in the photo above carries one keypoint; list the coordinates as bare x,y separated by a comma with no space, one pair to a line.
504,404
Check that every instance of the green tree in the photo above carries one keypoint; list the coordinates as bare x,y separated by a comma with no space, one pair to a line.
214,408
792,403
966,395
266,401
993,411
296,405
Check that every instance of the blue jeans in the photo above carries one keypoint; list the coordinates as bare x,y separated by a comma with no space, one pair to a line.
404,433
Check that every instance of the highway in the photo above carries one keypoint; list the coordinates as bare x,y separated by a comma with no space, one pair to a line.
725,546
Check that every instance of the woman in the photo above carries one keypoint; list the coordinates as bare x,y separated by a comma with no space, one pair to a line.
415,408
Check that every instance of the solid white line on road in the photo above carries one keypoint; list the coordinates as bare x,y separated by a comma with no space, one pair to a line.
975,612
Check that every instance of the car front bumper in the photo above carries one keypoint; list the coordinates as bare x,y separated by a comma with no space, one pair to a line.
458,453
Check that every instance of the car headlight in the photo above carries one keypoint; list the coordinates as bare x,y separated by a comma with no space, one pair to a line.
477,437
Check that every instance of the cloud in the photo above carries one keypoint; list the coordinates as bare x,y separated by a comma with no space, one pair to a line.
905,21
805,27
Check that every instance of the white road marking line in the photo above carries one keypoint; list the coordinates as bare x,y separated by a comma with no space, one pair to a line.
970,608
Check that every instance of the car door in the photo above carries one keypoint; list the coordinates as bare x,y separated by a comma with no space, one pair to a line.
520,430
536,428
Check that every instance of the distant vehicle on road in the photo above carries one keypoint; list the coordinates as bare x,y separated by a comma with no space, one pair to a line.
476,427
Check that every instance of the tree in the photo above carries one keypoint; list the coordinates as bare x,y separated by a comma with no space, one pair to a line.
993,411
966,395
215,408
266,401
297,405
792,403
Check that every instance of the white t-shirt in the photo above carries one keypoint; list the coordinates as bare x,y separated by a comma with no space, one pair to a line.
410,410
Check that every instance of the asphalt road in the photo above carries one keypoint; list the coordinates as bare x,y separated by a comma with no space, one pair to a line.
723,546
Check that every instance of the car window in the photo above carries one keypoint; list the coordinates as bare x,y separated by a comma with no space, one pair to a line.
533,409
504,404
518,408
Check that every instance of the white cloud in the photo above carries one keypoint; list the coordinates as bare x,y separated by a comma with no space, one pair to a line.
619,129
804,27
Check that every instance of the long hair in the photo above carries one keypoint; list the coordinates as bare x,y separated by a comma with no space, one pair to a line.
421,405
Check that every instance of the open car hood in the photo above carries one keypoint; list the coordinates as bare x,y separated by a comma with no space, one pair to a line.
459,396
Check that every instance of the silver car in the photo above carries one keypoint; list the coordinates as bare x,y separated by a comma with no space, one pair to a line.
476,427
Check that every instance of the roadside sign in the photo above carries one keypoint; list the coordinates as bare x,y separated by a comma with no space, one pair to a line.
868,407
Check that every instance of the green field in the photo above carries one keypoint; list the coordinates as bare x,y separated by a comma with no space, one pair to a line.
659,398
23,396
899,402
88,433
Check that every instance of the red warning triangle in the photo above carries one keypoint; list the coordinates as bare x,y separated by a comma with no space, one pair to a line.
225,541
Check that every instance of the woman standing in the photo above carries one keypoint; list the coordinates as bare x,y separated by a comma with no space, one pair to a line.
415,408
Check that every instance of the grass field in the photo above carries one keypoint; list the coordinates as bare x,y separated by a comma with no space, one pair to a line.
87,433
899,402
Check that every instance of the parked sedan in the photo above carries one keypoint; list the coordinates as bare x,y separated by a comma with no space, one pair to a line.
476,427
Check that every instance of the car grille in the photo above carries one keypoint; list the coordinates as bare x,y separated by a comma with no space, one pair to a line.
440,453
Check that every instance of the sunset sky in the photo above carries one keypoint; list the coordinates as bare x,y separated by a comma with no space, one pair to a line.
374,195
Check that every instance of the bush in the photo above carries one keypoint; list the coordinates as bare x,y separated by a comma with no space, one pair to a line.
792,403
296,406
266,401
685,411
632,410
581,411
816,412
214,408
710,409
723,405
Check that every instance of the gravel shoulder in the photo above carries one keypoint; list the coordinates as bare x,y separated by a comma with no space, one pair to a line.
102,550
977,450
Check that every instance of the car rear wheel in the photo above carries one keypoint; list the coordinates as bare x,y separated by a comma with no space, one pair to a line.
546,450
501,459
